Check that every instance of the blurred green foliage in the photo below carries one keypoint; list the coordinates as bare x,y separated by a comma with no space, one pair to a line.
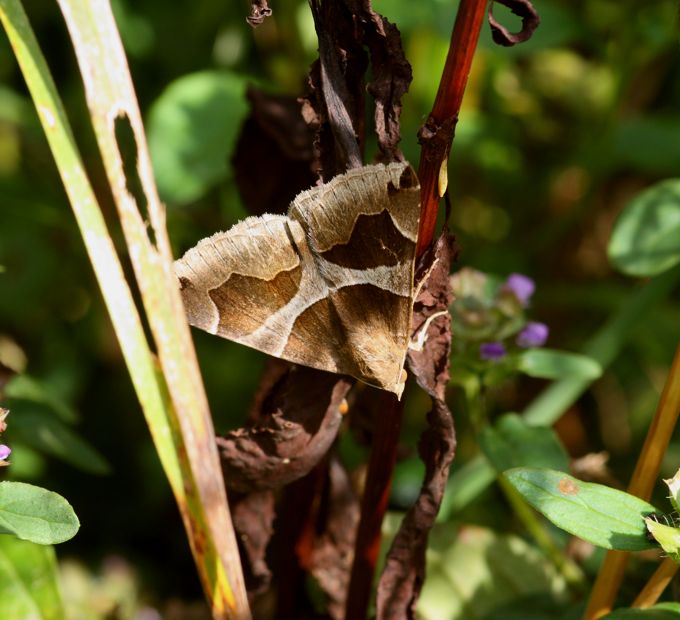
555,138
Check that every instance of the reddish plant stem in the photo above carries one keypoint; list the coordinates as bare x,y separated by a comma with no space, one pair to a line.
295,539
436,138
374,504
436,135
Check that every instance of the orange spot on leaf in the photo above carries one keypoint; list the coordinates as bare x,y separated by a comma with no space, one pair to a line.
567,487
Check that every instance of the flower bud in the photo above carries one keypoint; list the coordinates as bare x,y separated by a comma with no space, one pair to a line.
533,335
491,351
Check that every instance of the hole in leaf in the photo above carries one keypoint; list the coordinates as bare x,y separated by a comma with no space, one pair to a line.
127,147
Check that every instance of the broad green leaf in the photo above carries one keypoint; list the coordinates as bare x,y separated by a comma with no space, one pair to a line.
511,442
646,238
551,364
42,430
192,129
473,572
36,514
601,515
662,611
25,387
28,581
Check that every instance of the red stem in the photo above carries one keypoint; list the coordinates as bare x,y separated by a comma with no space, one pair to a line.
437,137
374,504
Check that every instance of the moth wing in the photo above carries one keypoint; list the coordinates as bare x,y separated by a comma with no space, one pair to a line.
361,229
330,286
233,281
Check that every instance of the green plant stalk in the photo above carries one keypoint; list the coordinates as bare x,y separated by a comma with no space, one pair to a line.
115,115
98,243
151,388
548,406
569,570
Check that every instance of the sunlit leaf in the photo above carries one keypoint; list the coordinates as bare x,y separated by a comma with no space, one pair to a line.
192,131
36,514
646,237
599,514
551,364
511,442
473,568
28,581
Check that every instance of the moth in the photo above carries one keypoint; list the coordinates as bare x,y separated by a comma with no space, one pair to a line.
329,285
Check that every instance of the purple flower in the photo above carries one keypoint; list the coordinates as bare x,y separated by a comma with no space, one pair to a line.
522,287
533,335
5,451
491,351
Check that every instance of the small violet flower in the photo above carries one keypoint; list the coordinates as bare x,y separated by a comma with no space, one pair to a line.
5,451
533,335
523,287
491,351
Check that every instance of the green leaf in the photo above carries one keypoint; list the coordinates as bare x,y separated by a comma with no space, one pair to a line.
43,431
601,515
511,442
646,238
662,611
551,364
473,572
25,387
36,514
193,128
28,581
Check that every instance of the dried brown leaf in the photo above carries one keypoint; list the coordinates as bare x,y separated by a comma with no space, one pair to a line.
259,11
404,572
333,547
334,103
299,423
253,516
530,21
391,76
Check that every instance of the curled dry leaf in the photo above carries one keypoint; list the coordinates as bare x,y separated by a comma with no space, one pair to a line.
253,516
274,156
331,558
530,21
336,88
334,103
259,11
391,76
404,571
299,422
